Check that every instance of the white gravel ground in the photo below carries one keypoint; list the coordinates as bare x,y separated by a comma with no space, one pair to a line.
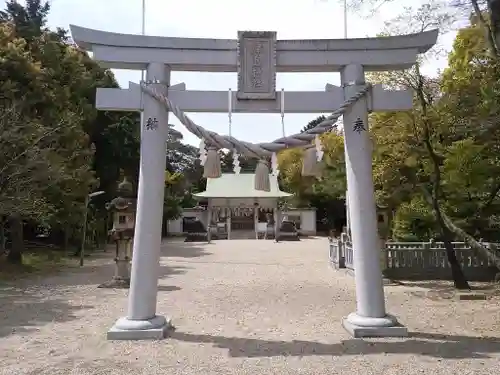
240,307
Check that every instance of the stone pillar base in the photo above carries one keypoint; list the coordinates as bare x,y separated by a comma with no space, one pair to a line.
155,328
360,326
116,283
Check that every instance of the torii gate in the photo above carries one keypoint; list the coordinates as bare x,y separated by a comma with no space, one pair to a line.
257,57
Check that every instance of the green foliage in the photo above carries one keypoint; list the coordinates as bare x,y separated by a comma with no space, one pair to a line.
313,123
23,166
30,19
413,221
326,193
36,261
455,123
246,164
55,147
472,166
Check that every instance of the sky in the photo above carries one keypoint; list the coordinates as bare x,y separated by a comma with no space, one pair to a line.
297,19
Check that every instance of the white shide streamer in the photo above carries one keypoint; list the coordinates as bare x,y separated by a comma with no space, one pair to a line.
319,148
203,152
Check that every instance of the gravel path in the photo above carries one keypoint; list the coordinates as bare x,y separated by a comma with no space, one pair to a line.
240,307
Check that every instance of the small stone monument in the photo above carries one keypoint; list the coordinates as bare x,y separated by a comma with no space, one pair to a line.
123,208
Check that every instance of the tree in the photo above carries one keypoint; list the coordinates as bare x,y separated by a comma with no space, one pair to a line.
470,86
486,13
52,84
313,123
174,193
30,19
26,143
326,193
494,12
247,165
426,124
23,173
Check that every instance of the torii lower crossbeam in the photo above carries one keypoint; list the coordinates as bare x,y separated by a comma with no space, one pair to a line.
379,100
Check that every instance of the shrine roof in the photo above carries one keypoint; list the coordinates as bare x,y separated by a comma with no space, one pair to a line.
231,185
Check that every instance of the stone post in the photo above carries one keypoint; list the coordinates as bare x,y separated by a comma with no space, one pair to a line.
141,321
383,254
340,253
228,222
123,208
130,246
370,318
121,278
256,220
122,261
209,223
276,214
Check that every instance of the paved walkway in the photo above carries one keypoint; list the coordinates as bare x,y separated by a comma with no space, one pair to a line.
240,307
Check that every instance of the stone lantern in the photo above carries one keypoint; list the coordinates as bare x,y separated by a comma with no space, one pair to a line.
123,208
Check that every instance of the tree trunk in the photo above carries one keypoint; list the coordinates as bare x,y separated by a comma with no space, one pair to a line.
478,249
15,255
107,227
494,29
459,280
490,26
457,273
2,235
67,229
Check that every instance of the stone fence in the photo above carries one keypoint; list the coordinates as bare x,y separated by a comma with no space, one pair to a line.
418,260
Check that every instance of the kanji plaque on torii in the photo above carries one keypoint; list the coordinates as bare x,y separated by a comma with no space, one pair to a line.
256,65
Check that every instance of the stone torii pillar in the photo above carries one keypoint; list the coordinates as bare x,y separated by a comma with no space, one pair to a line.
141,321
370,318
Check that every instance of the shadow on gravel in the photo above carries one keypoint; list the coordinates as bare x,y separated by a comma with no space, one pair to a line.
443,284
32,302
25,310
99,268
89,275
425,344
26,305
168,288
178,249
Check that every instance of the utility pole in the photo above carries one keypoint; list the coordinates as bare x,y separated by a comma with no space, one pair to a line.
84,227
345,19
143,32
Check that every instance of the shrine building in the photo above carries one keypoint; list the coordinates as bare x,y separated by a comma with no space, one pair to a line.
239,211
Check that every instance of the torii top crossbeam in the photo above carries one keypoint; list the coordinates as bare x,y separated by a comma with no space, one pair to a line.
129,51
257,56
